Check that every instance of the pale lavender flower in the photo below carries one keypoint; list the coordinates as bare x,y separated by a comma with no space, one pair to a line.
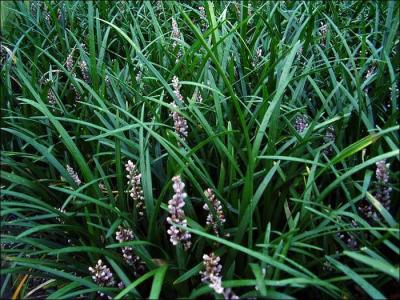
212,275
203,18
180,123
62,210
367,210
197,96
77,94
85,71
101,274
348,238
382,172
299,54
135,186
370,72
323,30
46,14
202,12
107,80
329,137
74,175
384,190
51,98
175,35
259,52
69,63
216,204
83,46
382,194
258,57
126,235
301,123
139,77
229,294
176,87
327,266
177,215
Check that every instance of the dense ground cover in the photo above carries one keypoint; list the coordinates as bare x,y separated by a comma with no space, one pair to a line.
188,149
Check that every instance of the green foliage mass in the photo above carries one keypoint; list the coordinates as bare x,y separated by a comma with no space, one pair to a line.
289,108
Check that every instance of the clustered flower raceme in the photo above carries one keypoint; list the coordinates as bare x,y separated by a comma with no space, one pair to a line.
62,210
197,96
46,14
102,275
73,175
175,35
203,17
370,72
69,63
329,138
107,80
216,204
348,238
258,57
126,235
323,30
135,186
176,88
212,275
85,71
138,77
51,98
175,32
301,123
180,123
212,272
177,215
382,194
230,295
382,172
299,53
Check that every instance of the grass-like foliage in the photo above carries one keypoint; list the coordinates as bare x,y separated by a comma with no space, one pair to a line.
165,149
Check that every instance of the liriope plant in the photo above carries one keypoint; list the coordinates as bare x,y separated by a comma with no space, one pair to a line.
172,149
